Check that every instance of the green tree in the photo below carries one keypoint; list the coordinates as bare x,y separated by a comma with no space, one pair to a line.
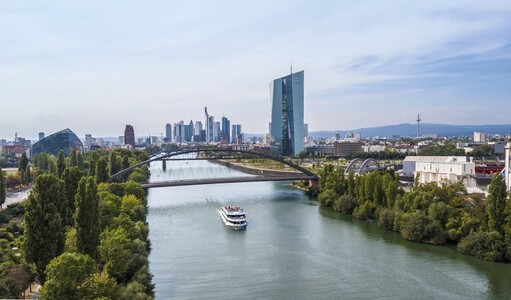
98,285
2,188
497,204
115,252
101,171
27,175
73,159
71,177
87,217
79,159
351,183
64,275
61,164
113,164
22,166
44,232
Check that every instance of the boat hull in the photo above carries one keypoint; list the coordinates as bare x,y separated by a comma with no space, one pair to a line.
239,225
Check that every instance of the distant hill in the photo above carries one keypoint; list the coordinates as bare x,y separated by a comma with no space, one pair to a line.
410,130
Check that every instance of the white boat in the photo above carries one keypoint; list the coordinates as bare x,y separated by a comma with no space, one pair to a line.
233,217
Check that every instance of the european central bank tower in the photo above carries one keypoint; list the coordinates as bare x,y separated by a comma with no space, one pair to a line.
286,127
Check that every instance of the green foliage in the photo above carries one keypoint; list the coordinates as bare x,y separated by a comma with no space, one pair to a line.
497,204
484,245
61,163
2,188
64,274
365,211
420,228
115,251
345,204
70,243
378,155
71,177
386,219
101,171
98,286
482,151
73,158
23,163
44,231
87,217
441,150
327,197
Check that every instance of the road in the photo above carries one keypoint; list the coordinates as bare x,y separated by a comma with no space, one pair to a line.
16,197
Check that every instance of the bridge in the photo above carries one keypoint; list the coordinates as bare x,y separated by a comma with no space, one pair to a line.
360,166
178,168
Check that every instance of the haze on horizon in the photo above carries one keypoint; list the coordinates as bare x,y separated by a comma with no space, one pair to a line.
95,66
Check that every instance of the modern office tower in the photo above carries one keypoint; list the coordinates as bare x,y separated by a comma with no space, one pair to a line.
287,114
209,129
306,130
197,132
120,140
207,123
41,135
234,134
129,136
216,132
168,133
179,132
239,136
189,133
64,140
226,126
198,128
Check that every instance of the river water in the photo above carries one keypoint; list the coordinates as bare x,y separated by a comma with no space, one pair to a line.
293,249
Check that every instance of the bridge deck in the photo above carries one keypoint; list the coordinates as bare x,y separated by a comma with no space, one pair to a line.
225,180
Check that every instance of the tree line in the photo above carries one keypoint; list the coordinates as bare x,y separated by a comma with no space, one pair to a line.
428,213
83,237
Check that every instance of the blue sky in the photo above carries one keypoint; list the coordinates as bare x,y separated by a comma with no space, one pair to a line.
95,66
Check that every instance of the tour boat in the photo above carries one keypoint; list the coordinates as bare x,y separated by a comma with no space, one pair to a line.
233,217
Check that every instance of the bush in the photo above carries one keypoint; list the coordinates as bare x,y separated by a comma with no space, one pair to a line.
327,197
420,228
345,204
365,211
386,219
484,245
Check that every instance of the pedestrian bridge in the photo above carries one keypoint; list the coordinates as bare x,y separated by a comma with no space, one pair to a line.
187,167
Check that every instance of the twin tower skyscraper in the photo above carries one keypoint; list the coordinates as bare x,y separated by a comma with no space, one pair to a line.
287,123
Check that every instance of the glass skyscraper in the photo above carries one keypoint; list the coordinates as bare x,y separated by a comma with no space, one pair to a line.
287,114
65,140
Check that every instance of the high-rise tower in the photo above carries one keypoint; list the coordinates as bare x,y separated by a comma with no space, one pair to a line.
287,114
418,124
129,136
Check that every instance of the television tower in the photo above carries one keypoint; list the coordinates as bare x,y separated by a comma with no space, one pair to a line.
418,124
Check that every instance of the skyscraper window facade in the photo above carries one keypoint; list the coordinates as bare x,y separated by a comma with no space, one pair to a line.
168,133
129,136
65,140
287,120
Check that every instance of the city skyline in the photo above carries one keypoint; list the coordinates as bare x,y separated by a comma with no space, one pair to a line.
95,67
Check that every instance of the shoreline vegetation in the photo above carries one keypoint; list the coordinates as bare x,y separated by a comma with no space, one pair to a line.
78,235
477,225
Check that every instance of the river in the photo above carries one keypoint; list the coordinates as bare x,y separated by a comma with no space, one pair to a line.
293,249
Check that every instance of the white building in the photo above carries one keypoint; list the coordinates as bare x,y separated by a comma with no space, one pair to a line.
440,169
479,137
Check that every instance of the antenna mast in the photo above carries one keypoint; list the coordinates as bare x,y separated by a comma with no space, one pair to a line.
418,124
